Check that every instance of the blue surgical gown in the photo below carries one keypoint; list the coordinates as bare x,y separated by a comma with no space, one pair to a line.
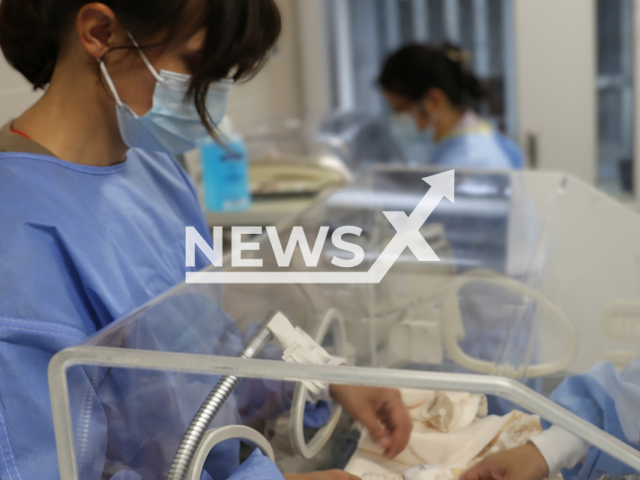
480,148
611,401
80,247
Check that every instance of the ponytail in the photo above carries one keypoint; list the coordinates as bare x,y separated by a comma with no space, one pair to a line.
29,38
470,85
416,69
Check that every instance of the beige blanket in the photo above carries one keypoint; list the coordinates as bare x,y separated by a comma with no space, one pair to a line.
451,432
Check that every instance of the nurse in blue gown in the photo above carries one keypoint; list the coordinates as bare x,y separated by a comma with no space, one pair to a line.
433,88
94,206
605,397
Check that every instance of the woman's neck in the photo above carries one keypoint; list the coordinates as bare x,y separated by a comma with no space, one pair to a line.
447,122
76,120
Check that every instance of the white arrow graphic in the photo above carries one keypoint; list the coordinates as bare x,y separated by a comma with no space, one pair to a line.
408,227
408,236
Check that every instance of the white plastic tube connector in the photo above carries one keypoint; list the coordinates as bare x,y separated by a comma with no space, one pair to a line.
299,347
333,322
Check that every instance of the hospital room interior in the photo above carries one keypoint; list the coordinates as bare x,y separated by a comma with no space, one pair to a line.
319,239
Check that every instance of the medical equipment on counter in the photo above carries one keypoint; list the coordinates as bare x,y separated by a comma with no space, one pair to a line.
286,175
287,171
538,276
361,140
225,173
293,167
286,160
279,177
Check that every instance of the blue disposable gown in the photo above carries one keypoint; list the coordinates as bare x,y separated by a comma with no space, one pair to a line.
477,147
611,401
80,247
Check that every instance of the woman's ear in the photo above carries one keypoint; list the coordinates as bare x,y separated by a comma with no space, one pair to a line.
99,29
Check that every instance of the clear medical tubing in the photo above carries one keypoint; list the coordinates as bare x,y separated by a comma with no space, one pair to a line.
210,408
218,435
374,377
333,319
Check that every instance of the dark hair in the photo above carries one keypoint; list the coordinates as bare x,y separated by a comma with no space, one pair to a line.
415,69
240,35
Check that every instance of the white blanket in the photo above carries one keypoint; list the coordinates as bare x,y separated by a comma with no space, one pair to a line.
451,432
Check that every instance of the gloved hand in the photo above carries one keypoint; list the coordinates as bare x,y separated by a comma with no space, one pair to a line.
381,411
521,463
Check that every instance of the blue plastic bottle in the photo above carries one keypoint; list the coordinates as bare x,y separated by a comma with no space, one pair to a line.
225,173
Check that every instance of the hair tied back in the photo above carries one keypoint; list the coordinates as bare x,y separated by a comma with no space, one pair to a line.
459,56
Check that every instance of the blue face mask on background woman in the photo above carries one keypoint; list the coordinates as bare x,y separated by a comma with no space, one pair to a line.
172,125
406,129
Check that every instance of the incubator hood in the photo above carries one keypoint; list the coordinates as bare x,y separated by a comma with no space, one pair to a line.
538,279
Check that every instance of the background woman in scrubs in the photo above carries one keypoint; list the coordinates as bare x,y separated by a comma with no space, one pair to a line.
436,90
93,206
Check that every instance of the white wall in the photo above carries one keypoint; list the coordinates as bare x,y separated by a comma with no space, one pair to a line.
556,71
636,50
313,61
275,93
295,83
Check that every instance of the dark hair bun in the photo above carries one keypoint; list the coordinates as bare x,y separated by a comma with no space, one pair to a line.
29,38
415,69
461,59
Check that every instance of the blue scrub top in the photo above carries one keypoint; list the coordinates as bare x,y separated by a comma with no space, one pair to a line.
80,247
478,147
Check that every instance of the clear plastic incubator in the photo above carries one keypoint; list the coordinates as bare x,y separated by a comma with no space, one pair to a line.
537,278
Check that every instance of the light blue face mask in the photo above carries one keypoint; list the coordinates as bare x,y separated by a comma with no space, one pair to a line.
171,126
405,128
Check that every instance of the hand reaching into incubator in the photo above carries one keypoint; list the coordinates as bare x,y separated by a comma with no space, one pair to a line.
381,411
384,415
522,463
